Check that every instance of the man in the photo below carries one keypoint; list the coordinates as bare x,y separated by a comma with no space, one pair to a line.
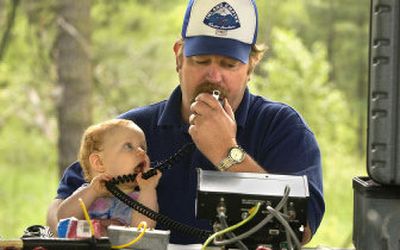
218,51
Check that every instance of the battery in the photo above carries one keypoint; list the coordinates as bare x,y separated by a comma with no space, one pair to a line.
376,215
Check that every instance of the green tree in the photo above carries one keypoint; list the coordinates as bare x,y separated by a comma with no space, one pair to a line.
300,78
342,27
27,127
133,59
346,37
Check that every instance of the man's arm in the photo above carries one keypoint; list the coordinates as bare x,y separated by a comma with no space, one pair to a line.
51,218
295,150
306,235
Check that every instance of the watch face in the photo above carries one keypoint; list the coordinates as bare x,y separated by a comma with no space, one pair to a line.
237,154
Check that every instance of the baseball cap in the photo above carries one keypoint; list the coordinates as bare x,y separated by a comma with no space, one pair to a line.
221,27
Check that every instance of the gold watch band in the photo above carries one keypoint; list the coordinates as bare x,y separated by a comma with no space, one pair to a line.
225,164
235,155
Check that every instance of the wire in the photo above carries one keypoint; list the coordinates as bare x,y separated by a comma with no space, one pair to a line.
259,225
185,150
87,217
160,218
143,225
224,224
252,212
286,225
288,239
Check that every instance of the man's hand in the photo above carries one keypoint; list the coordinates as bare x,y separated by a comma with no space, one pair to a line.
212,127
306,235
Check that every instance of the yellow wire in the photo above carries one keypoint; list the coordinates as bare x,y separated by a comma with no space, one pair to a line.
252,212
142,224
87,217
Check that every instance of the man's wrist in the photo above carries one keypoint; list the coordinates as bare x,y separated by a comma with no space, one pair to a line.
234,156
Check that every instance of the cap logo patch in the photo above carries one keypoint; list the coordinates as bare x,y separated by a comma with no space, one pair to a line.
222,17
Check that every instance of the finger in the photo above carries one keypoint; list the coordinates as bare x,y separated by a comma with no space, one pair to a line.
228,109
200,108
196,107
192,119
192,131
209,100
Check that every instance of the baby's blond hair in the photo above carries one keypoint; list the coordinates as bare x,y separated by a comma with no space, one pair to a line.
93,140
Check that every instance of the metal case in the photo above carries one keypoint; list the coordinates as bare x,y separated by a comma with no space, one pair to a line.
376,215
240,191
152,239
384,93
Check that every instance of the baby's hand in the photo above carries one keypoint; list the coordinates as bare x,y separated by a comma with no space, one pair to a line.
98,184
151,182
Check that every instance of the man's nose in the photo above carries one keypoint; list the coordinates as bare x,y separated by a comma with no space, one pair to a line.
214,73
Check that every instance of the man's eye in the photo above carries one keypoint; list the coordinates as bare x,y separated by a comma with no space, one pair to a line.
201,62
230,65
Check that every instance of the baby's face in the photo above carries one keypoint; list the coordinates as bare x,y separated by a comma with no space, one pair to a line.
124,151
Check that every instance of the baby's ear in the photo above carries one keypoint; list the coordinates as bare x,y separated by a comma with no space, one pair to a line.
96,162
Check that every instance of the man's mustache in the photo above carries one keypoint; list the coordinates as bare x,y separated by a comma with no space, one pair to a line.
208,87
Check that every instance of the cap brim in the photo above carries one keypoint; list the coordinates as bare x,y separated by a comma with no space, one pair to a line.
205,45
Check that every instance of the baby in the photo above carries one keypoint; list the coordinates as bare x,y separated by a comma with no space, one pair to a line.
112,148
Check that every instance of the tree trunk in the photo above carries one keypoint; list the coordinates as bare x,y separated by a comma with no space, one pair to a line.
72,54
9,25
330,42
2,12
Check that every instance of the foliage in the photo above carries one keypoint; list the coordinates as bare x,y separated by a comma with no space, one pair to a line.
133,55
299,77
26,76
27,174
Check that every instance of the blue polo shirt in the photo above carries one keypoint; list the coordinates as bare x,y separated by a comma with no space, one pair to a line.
272,133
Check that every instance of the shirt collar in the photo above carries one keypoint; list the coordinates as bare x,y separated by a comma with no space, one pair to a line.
243,109
171,115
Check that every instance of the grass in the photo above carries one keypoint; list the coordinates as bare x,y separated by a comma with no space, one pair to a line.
24,196
28,176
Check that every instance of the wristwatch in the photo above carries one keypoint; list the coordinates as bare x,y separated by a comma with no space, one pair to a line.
235,155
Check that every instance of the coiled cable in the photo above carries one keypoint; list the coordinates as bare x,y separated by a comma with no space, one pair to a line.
162,219
166,164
